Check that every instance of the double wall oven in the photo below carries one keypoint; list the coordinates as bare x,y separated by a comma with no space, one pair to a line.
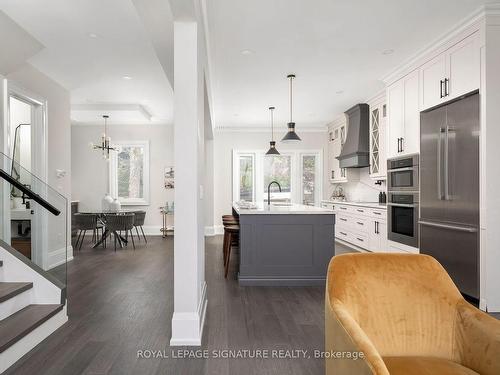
403,199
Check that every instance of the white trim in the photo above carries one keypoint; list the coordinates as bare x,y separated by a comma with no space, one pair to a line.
113,183
187,327
459,31
209,231
264,129
54,257
35,337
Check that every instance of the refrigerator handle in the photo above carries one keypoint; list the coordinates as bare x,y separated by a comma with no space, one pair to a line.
447,195
439,165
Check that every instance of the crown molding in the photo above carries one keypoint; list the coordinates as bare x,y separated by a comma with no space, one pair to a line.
266,129
459,31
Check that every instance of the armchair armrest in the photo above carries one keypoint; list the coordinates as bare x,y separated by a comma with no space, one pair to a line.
343,335
477,339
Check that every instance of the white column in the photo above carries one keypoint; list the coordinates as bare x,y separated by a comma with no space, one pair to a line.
190,298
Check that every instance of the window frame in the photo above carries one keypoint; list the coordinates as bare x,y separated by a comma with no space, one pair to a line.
113,178
296,173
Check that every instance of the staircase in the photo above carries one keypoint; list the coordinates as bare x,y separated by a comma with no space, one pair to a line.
32,298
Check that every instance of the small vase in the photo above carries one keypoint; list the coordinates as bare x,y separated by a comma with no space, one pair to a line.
115,206
106,202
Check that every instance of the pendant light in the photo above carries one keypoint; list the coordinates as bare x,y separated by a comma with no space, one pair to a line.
291,136
272,149
105,146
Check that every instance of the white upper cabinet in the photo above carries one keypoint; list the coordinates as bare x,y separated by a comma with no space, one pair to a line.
451,74
432,75
378,117
403,116
463,67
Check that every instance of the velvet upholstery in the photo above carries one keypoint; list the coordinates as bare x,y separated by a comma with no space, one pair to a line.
407,317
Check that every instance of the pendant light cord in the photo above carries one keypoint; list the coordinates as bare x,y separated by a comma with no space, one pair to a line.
272,124
291,78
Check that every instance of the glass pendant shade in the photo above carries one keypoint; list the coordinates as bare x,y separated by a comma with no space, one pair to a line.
272,149
290,135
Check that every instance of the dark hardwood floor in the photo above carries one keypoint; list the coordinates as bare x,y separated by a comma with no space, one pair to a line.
122,302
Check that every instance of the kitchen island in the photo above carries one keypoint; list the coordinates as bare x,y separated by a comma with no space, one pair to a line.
285,245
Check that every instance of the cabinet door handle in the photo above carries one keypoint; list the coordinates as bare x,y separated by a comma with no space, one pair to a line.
375,230
333,175
398,143
402,144
376,224
446,84
441,95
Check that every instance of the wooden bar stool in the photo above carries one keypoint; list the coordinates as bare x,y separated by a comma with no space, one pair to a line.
226,221
230,231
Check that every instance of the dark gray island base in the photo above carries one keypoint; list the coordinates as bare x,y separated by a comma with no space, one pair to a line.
285,246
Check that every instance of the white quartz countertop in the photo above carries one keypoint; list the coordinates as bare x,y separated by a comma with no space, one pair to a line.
381,206
294,209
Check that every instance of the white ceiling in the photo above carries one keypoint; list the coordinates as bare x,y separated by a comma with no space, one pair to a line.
93,68
333,46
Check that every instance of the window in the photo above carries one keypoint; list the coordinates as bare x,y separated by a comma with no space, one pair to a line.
278,168
129,173
246,181
309,171
298,173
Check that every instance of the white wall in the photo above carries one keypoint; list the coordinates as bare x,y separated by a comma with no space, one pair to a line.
226,141
90,177
362,189
58,147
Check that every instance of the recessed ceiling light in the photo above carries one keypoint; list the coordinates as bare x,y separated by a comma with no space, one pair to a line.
247,52
128,78
387,52
339,92
92,35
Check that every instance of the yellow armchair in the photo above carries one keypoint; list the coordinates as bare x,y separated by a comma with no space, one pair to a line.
401,314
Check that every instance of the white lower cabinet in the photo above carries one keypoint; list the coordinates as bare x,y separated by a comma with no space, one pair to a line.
364,227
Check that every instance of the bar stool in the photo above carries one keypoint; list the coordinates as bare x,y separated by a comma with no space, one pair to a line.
229,220
230,231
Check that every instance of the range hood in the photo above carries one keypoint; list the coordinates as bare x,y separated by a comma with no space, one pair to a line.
356,150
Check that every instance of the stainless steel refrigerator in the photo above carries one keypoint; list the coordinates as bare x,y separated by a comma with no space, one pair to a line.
449,189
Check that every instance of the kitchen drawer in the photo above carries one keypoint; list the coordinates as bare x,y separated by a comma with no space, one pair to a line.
360,240
344,220
343,209
359,210
343,234
377,214
360,224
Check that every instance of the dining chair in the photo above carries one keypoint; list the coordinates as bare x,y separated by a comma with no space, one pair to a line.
116,223
83,223
139,218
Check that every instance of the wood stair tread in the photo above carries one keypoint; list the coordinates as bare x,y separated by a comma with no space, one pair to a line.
19,324
9,290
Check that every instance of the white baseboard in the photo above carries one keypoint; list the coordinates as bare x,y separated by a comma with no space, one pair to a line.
35,337
218,229
58,257
187,327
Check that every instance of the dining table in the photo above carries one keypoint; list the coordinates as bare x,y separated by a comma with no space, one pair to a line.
101,218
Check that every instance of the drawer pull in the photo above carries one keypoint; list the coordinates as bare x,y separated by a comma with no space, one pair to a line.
344,234
377,213
341,218
360,223
360,239
361,210
343,208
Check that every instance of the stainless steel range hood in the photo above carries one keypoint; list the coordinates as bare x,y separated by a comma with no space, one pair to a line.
356,150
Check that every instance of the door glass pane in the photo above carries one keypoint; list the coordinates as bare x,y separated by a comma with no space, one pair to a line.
308,180
246,178
278,168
